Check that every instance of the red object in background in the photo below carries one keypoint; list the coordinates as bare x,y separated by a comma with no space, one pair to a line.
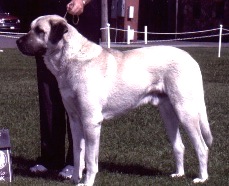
9,22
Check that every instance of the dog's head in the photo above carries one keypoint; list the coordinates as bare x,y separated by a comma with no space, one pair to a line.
45,31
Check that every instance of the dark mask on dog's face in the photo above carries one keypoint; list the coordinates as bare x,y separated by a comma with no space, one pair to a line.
32,44
35,42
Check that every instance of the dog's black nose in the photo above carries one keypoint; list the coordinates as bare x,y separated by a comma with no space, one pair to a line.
18,41
22,46
19,44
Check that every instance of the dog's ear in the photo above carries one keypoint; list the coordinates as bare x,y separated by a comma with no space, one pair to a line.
58,29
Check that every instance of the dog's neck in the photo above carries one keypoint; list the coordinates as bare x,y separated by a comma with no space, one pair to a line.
79,47
74,46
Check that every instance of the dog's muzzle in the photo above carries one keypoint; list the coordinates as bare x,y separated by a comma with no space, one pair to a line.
30,46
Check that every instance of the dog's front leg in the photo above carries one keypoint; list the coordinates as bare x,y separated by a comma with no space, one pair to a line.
78,148
92,140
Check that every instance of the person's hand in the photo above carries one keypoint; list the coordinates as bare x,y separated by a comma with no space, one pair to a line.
75,7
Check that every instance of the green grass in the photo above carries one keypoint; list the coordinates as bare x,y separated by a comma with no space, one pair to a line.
134,148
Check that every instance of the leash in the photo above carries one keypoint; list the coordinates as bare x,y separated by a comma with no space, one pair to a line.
74,21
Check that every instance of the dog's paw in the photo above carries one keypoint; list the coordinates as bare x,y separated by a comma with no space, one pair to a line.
199,180
177,175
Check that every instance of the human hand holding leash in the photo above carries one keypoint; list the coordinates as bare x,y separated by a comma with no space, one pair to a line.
76,7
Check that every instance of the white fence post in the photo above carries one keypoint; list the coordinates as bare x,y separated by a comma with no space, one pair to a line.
220,39
108,36
128,34
145,35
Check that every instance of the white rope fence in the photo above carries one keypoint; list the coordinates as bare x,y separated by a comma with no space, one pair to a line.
12,35
130,33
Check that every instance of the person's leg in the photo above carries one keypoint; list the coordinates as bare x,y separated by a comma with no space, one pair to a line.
69,157
52,119
67,171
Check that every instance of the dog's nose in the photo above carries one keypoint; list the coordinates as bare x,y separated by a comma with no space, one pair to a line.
21,46
18,41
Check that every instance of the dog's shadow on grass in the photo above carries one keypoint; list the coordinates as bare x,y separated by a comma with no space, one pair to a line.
130,169
21,167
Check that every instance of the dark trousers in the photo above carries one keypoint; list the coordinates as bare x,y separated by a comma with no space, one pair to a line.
53,121
54,124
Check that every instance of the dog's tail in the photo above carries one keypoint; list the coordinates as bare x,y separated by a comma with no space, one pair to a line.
205,128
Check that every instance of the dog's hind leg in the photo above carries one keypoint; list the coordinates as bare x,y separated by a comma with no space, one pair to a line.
188,115
172,127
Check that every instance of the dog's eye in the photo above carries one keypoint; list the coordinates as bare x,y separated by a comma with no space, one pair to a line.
38,30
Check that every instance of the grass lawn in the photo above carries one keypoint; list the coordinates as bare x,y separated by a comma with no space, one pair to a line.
134,148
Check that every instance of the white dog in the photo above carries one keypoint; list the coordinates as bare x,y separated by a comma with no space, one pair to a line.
97,84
